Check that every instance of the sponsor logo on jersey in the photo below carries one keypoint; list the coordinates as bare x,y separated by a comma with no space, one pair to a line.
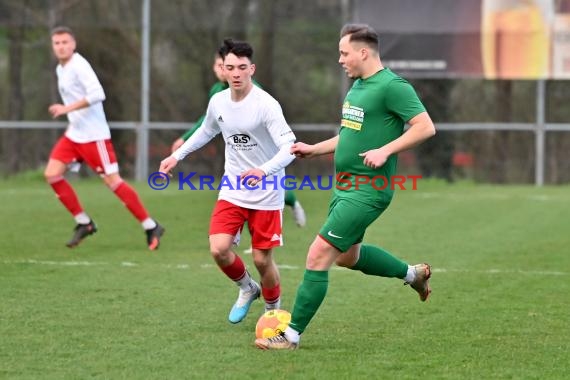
241,142
239,138
352,116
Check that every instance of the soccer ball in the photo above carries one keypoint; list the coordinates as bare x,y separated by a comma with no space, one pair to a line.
271,323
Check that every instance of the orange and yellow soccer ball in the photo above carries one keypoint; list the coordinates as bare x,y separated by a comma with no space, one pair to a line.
271,323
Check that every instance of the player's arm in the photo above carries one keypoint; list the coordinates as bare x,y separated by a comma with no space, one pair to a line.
93,92
179,141
421,129
58,109
402,100
282,136
209,130
218,87
307,151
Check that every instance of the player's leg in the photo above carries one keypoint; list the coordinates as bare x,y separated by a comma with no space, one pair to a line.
269,277
226,222
375,261
310,295
100,156
298,211
130,198
266,229
62,154
336,236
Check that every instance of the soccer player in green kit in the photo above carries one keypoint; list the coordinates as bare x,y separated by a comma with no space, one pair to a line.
221,85
374,113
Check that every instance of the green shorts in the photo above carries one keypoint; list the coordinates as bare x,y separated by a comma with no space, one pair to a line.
347,222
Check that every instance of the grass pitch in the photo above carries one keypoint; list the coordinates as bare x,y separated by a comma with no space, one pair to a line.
112,309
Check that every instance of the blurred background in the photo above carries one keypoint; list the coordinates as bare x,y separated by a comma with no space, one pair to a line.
492,73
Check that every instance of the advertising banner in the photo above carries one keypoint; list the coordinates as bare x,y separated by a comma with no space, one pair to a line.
495,39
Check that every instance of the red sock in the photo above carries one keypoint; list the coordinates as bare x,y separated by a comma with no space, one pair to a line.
66,195
236,270
131,200
271,295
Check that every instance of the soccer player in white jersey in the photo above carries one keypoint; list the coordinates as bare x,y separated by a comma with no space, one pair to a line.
258,141
87,139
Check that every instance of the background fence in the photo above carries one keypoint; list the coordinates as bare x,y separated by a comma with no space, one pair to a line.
154,58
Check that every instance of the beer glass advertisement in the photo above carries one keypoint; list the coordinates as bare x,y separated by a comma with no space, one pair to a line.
494,39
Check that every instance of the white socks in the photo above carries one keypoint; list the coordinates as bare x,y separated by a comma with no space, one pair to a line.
246,283
292,335
273,306
82,218
148,224
411,275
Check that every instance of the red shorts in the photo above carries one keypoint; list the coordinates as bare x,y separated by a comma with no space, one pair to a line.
265,226
99,155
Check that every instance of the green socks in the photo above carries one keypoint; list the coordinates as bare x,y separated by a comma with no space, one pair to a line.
290,198
377,262
310,295
312,291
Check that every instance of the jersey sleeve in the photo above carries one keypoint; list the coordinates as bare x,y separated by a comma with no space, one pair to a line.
192,130
282,136
86,76
402,100
217,87
279,130
206,132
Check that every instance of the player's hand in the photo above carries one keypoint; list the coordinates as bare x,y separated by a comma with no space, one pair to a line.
252,176
56,110
303,150
375,158
176,144
167,165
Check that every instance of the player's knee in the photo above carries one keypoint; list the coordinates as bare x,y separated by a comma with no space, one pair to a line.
342,261
112,181
52,177
219,252
261,262
51,174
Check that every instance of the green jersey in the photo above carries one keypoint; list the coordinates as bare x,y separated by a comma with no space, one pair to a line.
217,87
374,113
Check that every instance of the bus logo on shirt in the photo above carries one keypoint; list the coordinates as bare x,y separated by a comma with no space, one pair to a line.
352,117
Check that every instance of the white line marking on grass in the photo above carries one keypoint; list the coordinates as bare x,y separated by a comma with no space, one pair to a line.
283,267
483,196
502,271
21,191
59,263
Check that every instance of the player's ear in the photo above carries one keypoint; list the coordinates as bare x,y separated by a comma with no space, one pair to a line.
252,68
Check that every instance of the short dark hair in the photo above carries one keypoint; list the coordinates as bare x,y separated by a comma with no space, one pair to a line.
361,33
239,48
62,30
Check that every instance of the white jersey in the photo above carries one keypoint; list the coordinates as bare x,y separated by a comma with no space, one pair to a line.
255,131
76,81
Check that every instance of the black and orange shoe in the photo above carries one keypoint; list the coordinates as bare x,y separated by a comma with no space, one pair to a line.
153,236
81,232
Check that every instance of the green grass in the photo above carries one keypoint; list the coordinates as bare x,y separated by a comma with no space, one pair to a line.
112,309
